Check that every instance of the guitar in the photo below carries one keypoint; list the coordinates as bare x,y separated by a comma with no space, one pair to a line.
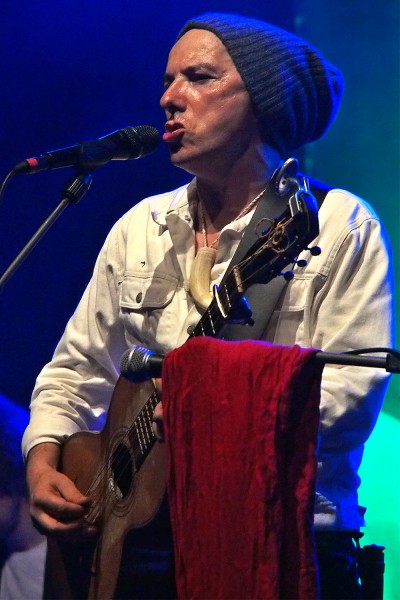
123,468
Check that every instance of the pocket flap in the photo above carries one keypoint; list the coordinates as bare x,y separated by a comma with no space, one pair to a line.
140,290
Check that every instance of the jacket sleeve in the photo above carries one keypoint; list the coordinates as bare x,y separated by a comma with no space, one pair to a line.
73,390
352,310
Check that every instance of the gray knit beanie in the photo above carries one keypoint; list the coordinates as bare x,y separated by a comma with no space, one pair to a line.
295,91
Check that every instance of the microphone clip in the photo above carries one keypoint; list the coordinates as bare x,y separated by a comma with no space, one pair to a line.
78,186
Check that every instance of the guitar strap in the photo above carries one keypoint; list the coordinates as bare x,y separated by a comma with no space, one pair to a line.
263,298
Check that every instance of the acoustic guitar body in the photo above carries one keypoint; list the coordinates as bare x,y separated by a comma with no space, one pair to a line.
123,469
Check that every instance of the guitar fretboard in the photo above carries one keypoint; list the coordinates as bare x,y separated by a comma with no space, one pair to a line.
141,433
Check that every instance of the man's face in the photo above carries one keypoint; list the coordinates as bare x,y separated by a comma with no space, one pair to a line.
210,120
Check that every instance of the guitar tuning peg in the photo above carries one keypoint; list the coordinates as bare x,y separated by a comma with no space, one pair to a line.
301,263
315,250
288,275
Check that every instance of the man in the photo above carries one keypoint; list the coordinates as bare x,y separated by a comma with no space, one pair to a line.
240,95
22,547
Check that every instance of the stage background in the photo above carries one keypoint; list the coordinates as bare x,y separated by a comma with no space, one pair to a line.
74,71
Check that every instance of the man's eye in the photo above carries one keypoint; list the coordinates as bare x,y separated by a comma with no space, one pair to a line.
200,77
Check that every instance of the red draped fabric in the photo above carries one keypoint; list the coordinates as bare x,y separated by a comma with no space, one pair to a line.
241,423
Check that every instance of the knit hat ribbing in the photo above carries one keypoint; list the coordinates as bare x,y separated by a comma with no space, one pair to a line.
295,91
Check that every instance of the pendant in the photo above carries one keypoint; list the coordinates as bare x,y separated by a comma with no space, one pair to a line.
200,276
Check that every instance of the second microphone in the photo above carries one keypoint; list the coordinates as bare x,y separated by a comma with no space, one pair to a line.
140,364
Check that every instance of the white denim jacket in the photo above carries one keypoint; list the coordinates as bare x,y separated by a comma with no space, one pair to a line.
139,295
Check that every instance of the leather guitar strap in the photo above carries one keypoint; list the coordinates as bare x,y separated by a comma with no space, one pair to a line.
263,298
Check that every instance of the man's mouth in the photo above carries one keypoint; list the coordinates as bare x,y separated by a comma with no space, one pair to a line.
173,132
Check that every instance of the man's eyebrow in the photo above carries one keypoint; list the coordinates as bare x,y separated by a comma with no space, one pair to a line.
192,68
204,65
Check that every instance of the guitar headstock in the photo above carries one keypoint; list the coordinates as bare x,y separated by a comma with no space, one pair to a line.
280,241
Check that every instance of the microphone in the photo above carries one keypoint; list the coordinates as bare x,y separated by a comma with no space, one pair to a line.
140,364
124,144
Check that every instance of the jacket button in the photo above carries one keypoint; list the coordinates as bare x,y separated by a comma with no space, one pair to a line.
139,297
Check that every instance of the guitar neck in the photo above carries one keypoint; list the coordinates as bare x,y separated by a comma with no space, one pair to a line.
141,432
210,324
215,317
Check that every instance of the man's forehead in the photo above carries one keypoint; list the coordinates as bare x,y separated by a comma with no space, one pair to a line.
198,41
199,46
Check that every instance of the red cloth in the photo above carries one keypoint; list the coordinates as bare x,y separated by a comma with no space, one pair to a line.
241,422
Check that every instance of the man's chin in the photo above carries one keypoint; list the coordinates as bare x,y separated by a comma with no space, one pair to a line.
181,155
178,156
175,149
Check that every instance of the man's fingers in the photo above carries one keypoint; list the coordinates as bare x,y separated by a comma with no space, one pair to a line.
158,423
56,503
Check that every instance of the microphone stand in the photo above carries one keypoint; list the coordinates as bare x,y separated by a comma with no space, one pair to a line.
390,362
139,364
73,192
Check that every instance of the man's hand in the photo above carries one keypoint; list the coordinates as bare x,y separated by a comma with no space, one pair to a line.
57,506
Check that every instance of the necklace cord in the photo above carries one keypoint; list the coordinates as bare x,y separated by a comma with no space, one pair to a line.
202,219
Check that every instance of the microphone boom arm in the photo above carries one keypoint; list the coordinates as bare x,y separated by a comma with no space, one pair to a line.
139,364
73,192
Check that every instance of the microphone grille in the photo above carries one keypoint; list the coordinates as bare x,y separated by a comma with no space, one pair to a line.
133,362
143,138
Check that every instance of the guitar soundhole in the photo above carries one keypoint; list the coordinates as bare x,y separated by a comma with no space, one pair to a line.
121,472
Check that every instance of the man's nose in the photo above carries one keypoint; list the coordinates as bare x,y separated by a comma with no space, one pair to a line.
173,97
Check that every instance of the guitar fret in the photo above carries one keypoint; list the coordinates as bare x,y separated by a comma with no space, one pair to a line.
148,425
138,432
144,432
211,321
144,420
227,298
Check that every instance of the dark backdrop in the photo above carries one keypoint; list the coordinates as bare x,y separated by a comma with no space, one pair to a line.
74,71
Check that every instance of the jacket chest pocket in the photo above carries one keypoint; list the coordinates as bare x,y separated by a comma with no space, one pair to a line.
147,307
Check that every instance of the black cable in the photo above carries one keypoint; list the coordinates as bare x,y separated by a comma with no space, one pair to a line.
6,182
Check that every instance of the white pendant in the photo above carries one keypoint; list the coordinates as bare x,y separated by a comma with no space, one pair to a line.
200,276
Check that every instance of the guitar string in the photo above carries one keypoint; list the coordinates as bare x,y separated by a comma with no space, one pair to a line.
136,446
214,314
98,495
213,311
102,504
106,500
101,480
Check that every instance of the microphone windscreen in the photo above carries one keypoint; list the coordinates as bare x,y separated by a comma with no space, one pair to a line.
143,140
